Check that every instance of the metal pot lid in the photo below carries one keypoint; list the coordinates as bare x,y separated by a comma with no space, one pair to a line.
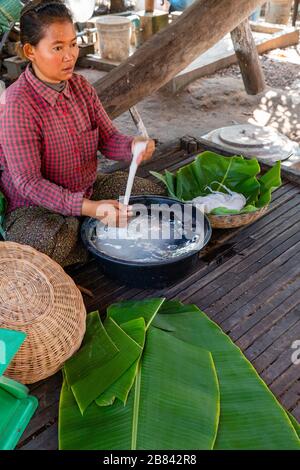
263,143
245,135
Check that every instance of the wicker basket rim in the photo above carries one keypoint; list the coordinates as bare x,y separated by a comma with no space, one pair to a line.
42,300
223,216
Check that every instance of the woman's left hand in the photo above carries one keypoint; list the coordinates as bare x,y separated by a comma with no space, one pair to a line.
148,152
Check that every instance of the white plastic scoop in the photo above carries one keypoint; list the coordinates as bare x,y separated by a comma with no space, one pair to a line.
139,147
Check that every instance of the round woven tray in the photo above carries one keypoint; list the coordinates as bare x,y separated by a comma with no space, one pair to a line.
40,299
236,220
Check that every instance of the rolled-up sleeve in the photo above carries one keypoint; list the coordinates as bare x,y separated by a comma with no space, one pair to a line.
21,140
112,143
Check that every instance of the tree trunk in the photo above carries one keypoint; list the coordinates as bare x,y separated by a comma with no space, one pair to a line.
246,52
201,26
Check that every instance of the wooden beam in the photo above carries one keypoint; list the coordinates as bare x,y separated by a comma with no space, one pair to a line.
248,58
286,37
201,26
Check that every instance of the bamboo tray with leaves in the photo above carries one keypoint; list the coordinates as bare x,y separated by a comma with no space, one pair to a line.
159,375
236,173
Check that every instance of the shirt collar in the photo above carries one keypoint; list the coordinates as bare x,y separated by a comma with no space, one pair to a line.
42,89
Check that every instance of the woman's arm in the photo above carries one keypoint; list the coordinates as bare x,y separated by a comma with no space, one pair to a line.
21,143
112,143
110,212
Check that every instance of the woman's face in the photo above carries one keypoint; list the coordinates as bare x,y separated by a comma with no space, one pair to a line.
55,55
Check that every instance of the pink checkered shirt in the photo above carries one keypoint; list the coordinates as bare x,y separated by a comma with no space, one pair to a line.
49,143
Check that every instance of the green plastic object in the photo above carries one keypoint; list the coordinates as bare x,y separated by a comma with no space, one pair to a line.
10,11
16,405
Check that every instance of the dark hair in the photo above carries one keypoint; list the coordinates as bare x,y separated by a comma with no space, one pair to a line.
37,15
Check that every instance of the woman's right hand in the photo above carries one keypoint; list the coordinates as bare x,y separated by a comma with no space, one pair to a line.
110,212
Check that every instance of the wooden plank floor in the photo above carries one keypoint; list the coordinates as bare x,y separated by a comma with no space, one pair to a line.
247,280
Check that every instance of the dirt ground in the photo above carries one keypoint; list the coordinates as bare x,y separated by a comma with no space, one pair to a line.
220,100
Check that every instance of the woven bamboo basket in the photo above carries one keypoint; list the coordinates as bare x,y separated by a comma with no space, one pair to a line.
40,299
236,220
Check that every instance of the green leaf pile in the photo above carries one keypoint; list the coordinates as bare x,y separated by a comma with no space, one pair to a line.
236,173
160,375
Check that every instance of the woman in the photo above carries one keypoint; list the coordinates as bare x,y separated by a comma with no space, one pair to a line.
51,126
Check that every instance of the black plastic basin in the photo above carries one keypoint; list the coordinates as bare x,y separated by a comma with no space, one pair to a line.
155,274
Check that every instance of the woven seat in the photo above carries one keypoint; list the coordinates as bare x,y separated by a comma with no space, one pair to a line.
40,299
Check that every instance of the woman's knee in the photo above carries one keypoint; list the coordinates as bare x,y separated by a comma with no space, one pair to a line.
52,234
112,186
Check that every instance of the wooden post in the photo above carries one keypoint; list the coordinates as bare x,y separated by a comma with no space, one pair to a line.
168,52
117,5
152,23
295,12
149,6
246,52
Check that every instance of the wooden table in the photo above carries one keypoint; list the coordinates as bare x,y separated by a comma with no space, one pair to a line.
247,281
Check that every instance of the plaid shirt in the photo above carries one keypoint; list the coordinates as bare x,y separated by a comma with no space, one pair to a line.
49,143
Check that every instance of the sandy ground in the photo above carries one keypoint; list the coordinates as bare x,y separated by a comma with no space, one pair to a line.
220,100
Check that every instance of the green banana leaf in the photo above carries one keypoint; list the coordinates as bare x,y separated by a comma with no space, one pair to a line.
250,417
224,211
174,404
212,170
89,388
130,309
122,386
235,410
124,311
268,182
97,349
295,423
3,208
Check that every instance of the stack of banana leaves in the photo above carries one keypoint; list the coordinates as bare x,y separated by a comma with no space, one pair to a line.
160,375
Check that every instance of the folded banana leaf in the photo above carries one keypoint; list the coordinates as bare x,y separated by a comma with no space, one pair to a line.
174,404
122,386
89,388
250,417
97,348
122,312
212,170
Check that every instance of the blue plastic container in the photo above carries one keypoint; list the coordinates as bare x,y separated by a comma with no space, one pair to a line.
255,15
